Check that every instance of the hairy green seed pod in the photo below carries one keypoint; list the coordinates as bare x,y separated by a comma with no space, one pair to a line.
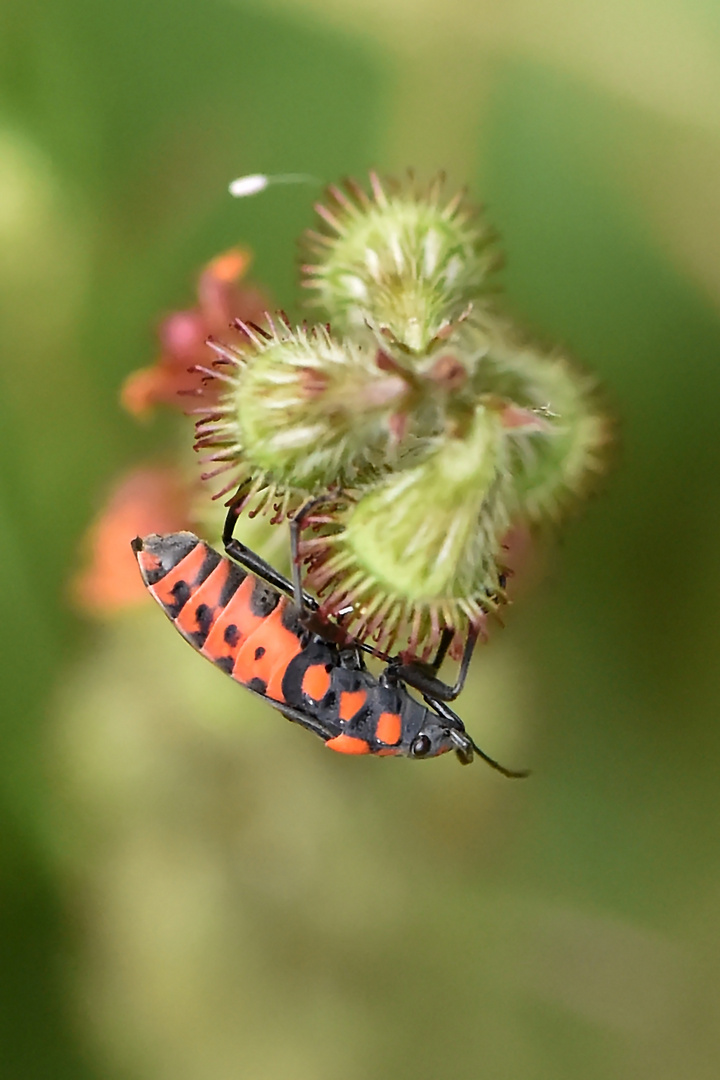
419,552
298,413
558,451
399,261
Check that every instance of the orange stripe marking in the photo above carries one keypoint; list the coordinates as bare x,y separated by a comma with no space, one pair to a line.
279,646
186,570
149,563
351,701
237,612
209,594
316,682
346,744
389,728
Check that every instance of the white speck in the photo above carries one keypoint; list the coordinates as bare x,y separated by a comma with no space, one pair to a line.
254,183
248,185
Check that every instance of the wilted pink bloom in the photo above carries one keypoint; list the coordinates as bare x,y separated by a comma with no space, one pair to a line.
183,335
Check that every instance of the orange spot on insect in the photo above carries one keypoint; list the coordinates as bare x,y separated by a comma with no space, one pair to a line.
389,751
209,594
351,701
316,682
267,652
186,570
389,728
346,744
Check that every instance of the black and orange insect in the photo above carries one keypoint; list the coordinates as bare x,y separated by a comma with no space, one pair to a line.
268,635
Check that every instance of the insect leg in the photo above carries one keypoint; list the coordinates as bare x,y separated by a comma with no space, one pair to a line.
296,526
253,562
310,723
447,635
424,677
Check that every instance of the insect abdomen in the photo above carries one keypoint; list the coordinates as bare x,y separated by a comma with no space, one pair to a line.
244,626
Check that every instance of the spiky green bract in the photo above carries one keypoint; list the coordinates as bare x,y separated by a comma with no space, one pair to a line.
557,459
299,412
398,260
420,551
311,408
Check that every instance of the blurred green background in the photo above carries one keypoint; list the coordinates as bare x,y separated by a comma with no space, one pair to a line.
191,888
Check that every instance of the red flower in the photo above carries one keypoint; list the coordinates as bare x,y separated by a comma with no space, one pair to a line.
155,498
183,335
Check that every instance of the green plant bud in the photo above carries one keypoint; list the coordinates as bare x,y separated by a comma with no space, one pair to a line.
419,552
298,413
557,458
399,261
